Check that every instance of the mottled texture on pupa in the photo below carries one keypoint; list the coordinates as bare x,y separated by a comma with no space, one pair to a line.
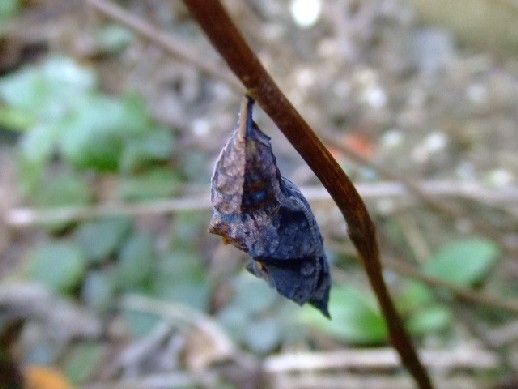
265,215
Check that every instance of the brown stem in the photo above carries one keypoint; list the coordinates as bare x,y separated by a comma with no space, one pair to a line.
228,41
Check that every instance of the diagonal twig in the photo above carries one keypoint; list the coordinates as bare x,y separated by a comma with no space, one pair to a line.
228,41
476,297
173,46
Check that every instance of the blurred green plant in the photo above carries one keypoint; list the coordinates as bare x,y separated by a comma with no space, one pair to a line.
113,38
83,360
100,239
61,113
72,134
58,265
464,262
257,317
8,8
357,319
180,276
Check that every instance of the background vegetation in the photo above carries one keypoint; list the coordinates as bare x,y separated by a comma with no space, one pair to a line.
107,144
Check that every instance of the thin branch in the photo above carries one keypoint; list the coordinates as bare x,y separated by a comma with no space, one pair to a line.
228,41
22,217
180,50
348,380
462,357
448,210
173,46
465,294
25,217
155,381
469,295
141,349
506,334
467,316
220,347
181,315
35,301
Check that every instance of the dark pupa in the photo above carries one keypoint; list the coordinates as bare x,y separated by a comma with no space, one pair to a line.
265,215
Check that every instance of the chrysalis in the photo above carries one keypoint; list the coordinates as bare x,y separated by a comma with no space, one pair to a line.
265,215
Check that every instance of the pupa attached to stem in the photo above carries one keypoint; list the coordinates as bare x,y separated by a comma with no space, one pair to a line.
265,215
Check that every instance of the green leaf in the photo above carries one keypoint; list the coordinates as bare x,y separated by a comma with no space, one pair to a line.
38,144
248,318
83,361
195,295
47,91
181,277
356,317
235,320
30,175
140,323
141,151
157,183
414,296
98,290
35,151
92,138
114,38
464,262
95,134
430,319
136,261
64,189
137,119
189,228
263,335
180,265
15,119
8,8
252,295
98,150
101,238
58,265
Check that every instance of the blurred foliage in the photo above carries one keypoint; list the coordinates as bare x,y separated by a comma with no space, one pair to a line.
67,117
257,317
180,276
357,318
484,23
72,135
113,38
59,265
152,184
8,8
100,239
464,262
83,360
